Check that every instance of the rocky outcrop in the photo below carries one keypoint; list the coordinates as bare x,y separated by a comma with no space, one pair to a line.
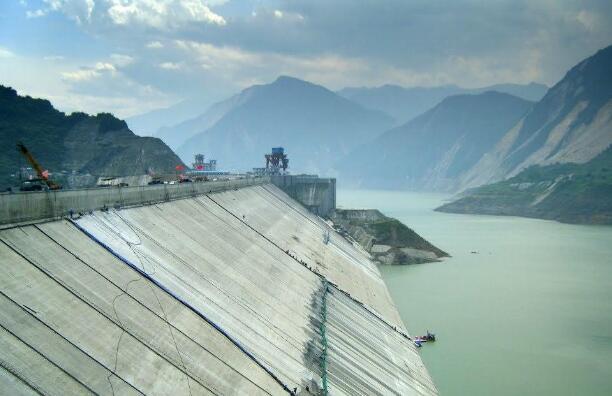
387,239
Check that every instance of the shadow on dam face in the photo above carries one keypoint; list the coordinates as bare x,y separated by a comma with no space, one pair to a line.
209,294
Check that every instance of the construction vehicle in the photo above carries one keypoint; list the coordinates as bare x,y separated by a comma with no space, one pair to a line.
43,182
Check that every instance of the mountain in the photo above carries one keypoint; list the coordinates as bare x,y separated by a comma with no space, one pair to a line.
572,123
315,126
75,144
175,135
435,149
571,193
148,124
403,104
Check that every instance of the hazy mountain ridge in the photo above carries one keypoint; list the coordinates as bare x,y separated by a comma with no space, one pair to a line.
315,125
406,103
571,193
151,122
176,135
435,149
96,145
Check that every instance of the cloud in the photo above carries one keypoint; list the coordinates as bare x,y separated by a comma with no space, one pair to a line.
53,58
77,10
89,73
36,13
162,14
154,45
121,60
170,66
278,14
5,53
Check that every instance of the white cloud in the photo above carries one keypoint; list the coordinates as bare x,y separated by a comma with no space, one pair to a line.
36,13
278,14
89,73
155,45
53,58
4,53
170,66
241,67
588,20
77,10
121,60
162,14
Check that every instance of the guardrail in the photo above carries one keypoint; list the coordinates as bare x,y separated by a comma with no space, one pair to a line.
23,207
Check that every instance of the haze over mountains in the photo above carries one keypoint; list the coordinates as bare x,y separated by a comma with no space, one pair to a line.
315,126
404,104
572,123
435,149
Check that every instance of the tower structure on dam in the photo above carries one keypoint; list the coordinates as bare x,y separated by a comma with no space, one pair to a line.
229,290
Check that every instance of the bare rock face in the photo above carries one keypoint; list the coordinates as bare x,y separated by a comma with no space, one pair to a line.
571,124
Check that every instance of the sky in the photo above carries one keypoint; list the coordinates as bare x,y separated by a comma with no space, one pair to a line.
131,56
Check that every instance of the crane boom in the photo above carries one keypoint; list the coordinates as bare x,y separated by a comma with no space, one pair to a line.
39,170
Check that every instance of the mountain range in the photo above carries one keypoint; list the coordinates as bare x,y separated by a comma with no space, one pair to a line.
435,149
312,123
403,104
74,145
470,140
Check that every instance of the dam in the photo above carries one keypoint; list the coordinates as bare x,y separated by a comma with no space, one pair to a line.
229,287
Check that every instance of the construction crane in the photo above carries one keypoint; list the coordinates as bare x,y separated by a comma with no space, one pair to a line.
42,174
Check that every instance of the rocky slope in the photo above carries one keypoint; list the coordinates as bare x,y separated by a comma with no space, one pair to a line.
572,123
74,145
388,240
571,193
315,126
433,151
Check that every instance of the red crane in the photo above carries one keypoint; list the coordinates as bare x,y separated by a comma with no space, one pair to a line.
42,174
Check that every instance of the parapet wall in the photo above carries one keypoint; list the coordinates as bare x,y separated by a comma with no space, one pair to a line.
21,207
318,195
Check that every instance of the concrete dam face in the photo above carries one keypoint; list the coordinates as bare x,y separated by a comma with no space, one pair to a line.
242,291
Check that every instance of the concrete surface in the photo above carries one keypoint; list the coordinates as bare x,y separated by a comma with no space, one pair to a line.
317,194
204,295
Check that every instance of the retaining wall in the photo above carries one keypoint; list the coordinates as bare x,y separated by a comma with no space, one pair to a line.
23,207
316,194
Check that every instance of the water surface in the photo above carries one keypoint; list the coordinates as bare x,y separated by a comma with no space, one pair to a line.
530,313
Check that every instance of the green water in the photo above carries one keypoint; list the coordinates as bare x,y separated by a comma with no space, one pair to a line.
530,314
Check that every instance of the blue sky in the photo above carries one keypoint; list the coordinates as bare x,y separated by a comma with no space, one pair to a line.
131,56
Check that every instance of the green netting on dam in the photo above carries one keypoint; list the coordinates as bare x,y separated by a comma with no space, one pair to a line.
219,304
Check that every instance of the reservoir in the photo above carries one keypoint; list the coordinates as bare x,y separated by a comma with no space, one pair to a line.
523,306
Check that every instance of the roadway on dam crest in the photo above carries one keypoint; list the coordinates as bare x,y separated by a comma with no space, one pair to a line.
233,292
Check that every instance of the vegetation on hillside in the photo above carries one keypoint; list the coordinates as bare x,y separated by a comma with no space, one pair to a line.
75,144
571,193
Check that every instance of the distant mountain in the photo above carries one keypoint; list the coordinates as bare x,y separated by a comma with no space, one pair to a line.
403,104
435,149
571,193
572,123
315,126
76,143
176,135
148,124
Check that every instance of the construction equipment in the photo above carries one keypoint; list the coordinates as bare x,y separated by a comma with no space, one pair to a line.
43,175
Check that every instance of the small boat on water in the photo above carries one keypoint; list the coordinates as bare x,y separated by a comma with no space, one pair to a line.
429,337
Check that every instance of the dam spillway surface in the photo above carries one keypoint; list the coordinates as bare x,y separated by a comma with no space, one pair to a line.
234,292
